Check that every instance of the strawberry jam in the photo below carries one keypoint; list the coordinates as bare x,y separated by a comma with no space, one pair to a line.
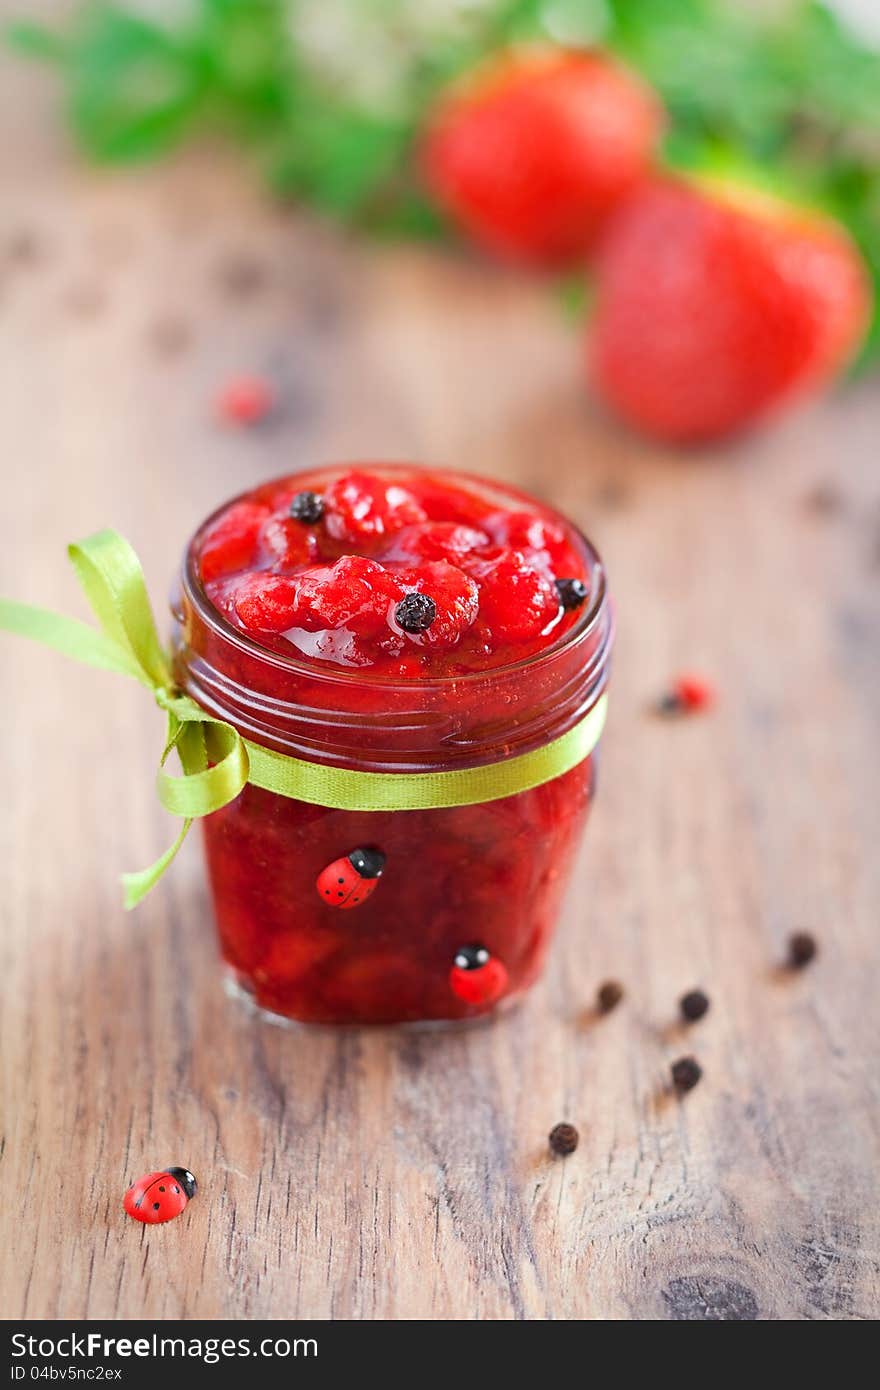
391,620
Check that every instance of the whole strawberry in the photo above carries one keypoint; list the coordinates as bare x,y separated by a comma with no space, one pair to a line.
717,304
532,152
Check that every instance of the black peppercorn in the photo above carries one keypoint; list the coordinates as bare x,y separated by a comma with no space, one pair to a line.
572,592
564,1139
693,1005
609,995
801,949
307,507
686,1072
415,612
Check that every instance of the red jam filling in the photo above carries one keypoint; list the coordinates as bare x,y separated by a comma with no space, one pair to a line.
330,572
366,917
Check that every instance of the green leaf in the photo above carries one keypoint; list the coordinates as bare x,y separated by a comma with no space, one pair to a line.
575,294
36,41
340,157
132,88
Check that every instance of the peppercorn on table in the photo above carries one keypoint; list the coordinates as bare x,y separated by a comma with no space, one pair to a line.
402,1174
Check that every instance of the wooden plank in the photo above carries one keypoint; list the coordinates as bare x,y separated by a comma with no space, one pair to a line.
391,1174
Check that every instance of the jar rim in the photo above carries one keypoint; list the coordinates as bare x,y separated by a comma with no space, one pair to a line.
594,610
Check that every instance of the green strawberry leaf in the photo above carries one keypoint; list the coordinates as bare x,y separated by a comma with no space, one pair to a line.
131,87
36,41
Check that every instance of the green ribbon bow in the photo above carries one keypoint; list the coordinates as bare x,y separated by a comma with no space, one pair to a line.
217,762
212,753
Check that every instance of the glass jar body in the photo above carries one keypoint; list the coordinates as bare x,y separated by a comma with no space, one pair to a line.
474,884
490,875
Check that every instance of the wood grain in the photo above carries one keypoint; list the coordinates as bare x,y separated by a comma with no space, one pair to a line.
394,1174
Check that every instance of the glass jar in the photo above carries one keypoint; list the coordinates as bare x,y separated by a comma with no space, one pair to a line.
468,893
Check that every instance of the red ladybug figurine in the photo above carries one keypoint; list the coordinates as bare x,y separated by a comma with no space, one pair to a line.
349,881
160,1196
476,976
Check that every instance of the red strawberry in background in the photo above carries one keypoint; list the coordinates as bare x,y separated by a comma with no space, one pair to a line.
532,152
717,304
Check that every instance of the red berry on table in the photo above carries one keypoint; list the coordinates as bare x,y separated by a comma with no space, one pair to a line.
693,693
161,1196
349,881
246,400
531,153
477,977
717,304
231,543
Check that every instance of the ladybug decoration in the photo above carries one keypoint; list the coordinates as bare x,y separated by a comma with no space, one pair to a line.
349,881
159,1196
477,977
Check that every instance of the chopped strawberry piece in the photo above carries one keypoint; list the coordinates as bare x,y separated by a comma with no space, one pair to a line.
355,593
517,600
535,535
359,508
232,542
437,540
266,602
524,531
444,502
455,595
288,541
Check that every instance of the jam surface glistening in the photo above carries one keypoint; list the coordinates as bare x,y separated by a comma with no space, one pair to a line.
412,575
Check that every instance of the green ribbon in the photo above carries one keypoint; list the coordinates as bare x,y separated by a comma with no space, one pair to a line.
216,761
113,581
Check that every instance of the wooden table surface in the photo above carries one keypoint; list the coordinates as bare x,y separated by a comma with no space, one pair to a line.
392,1174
